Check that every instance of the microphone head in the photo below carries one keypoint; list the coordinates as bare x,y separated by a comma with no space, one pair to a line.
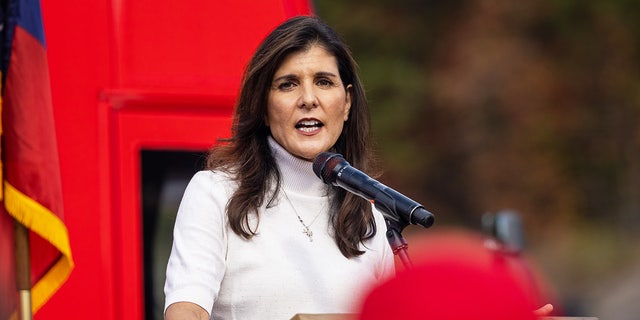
325,164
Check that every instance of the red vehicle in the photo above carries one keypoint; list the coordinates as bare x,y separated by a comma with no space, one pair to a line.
141,89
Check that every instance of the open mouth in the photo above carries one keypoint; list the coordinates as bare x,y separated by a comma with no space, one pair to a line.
309,125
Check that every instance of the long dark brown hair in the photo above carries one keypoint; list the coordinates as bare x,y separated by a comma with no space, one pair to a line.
247,156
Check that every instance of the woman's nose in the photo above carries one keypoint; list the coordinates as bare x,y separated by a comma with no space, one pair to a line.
308,97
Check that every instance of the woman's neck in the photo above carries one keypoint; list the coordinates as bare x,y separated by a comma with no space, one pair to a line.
296,174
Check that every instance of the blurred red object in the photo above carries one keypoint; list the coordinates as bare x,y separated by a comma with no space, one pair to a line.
457,274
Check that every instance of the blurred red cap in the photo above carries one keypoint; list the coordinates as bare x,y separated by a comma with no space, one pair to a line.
455,276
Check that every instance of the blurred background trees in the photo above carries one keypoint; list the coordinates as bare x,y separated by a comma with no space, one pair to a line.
480,106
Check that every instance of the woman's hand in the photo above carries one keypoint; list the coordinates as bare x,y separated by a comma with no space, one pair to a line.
544,310
185,311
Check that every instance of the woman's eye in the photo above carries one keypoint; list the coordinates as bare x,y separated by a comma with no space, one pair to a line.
325,83
286,85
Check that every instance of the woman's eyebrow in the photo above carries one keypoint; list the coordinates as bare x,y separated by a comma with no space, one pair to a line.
293,76
285,77
325,74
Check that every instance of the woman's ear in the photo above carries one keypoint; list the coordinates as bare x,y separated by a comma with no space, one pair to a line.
347,106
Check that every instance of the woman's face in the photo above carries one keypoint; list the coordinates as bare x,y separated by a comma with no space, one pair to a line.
307,104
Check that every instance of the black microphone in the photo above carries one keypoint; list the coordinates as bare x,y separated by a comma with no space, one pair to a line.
333,169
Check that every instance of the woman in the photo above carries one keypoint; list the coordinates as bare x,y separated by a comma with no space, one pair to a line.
258,235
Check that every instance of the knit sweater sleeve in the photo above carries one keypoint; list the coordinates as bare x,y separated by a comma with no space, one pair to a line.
197,262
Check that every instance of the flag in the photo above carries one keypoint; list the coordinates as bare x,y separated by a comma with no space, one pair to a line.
31,190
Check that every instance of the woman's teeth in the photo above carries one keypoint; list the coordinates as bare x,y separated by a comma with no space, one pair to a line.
308,125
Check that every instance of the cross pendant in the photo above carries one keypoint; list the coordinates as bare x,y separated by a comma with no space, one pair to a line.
309,233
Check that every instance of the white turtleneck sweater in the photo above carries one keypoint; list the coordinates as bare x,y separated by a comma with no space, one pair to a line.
279,272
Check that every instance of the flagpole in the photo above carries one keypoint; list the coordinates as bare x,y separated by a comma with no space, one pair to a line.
23,269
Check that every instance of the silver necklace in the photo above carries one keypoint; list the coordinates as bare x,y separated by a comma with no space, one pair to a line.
306,229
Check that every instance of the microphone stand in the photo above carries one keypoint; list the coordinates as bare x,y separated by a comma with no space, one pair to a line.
398,243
